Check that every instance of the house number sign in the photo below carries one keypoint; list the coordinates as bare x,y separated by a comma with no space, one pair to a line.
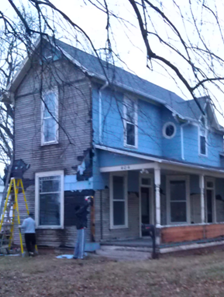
126,167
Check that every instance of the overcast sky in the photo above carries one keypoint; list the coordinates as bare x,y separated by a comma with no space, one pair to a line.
127,40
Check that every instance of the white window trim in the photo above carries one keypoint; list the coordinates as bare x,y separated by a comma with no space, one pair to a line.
135,123
200,128
188,214
46,174
124,174
164,130
43,143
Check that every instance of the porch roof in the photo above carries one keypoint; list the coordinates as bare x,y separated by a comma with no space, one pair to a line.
154,162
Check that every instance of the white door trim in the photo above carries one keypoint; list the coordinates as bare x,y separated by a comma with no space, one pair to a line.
151,204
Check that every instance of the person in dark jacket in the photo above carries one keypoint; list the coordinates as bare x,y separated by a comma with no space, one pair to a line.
81,224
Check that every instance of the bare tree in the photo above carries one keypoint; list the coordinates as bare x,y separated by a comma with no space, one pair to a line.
178,42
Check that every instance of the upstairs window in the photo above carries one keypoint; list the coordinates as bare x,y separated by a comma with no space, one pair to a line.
203,137
130,122
50,117
203,149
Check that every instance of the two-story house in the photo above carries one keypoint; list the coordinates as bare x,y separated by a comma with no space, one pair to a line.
86,127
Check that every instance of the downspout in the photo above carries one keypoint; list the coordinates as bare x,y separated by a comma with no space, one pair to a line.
182,138
100,110
101,215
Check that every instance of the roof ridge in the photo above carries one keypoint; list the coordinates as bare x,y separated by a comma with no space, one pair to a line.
118,67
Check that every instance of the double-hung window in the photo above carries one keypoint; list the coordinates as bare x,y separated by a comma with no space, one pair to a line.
203,138
49,199
130,122
118,201
50,117
177,202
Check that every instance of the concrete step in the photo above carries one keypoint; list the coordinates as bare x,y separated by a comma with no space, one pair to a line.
124,255
109,247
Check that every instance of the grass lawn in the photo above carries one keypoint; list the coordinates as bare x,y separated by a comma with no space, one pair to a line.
44,275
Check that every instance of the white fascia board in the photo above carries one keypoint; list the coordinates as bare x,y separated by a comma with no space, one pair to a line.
75,62
179,115
23,68
126,153
129,167
166,164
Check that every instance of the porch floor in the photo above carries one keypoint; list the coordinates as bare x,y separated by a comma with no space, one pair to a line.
147,243
139,242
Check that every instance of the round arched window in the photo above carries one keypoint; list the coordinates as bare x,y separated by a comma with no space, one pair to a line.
169,130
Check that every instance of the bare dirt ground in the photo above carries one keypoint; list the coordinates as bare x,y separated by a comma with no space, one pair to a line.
44,275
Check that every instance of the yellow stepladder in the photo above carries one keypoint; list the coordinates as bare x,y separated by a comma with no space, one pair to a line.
6,227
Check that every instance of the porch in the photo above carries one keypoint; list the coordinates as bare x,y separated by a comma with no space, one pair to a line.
184,202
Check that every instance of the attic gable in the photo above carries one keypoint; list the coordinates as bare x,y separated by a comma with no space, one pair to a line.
52,50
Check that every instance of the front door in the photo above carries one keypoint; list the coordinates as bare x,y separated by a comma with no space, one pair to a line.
146,202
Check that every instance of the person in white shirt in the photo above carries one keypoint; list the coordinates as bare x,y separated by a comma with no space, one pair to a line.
28,227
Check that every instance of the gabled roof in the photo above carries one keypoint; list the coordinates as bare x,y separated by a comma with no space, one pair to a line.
187,110
118,76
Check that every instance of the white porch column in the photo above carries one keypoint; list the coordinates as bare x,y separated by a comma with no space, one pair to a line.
157,192
202,195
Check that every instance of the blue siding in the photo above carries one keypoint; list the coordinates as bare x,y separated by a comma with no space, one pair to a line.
149,124
100,180
149,128
171,147
151,119
191,147
111,159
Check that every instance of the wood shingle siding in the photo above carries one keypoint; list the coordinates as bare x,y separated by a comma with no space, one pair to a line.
74,90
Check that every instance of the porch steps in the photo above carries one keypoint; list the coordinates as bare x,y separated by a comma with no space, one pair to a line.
125,253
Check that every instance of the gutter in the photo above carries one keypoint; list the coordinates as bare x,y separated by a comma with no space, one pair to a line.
100,109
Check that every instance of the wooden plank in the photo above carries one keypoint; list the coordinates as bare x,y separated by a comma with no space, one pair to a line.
214,231
181,234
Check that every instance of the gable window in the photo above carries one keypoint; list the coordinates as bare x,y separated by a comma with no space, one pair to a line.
49,197
50,117
118,201
169,130
203,138
130,122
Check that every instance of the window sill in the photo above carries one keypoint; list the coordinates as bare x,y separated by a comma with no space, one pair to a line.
49,227
201,155
49,143
119,227
131,146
